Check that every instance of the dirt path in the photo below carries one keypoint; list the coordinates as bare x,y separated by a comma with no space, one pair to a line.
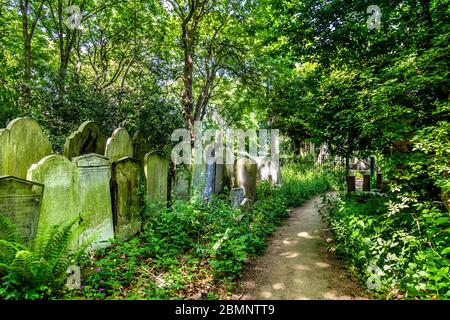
296,264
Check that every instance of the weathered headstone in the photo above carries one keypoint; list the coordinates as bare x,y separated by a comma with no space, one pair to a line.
237,196
220,172
379,180
119,145
351,182
182,184
156,171
95,199
85,140
198,179
60,199
366,181
22,143
125,198
20,202
210,180
245,172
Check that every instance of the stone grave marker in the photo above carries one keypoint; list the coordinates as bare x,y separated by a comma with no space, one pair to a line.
210,179
85,140
20,202
182,184
60,199
220,172
156,175
22,143
126,202
237,196
119,145
94,194
245,175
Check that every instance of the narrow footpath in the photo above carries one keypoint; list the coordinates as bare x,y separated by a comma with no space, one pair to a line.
296,264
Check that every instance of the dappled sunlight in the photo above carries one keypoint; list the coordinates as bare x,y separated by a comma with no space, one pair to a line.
279,286
306,235
322,264
289,242
301,267
289,254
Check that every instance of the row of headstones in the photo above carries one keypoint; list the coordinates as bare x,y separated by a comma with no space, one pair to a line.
56,189
40,189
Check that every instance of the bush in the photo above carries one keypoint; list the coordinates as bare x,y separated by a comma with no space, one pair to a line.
405,245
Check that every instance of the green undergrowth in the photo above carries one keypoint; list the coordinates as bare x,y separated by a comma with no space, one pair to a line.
196,250
398,249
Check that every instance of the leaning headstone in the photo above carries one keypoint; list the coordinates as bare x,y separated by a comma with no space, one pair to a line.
210,179
95,199
237,196
125,198
60,199
198,179
85,140
182,184
156,172
119,145
220,171
245,174
20,202
22,143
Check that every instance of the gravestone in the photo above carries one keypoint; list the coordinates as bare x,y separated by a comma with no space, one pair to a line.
85,140
119,145
198,179
22,143
156,173
245,174
220,171
366,181
351,182
182,184
60,198
94,194
210,179
140,147
125,198
20,202
237,196
379,180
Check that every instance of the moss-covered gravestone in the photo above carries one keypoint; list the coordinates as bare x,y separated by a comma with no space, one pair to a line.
220,171
182,184
156,172
22,143
20,202
85,140
245,174
126,202
60,198
198,177
94,173
119,145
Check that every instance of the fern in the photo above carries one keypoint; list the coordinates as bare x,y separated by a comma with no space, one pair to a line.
29,272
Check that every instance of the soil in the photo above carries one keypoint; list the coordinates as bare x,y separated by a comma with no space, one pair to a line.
297,265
